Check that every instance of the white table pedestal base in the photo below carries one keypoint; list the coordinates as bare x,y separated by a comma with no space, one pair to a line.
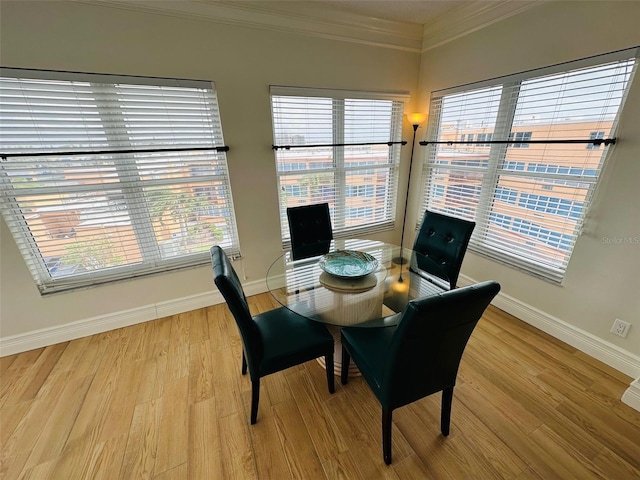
337,356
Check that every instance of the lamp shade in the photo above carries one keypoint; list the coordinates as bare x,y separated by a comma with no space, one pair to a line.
416,118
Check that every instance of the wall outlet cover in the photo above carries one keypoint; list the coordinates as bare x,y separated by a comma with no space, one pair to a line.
620,328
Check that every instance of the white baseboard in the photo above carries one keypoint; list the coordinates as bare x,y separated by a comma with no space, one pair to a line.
632,396
103,323
608,353
602,350
70,331
614,356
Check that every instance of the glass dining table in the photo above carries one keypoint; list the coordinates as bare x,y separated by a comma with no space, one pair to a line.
341,298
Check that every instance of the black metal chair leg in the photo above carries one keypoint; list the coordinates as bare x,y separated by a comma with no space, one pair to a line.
328,361
445,413
255,397
244,364
386,435
344,372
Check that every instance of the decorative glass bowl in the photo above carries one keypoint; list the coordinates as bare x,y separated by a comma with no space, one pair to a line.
348,264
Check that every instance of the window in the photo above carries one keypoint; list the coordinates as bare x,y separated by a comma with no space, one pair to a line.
110,177
333,131
295,191
484,137
506,194
520,137
518,221
359,190
595,136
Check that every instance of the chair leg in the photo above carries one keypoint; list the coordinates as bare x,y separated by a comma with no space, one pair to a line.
328,362
255,397
445,413
344,372
244,364
386,435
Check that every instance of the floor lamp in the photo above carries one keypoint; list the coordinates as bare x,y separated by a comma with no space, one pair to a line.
415,119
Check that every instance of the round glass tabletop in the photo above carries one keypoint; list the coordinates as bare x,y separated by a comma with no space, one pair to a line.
373,297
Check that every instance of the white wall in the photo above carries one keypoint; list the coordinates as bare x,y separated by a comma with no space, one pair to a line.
602,278
243,62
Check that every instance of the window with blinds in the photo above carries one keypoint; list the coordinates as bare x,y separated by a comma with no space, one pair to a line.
333,146
106,177
529,200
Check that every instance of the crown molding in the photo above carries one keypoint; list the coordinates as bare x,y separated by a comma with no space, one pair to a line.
310,22
314,20
470,18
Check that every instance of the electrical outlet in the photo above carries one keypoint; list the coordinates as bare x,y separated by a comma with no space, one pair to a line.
620,328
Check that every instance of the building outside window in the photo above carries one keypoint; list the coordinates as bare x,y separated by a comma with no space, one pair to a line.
529,200
342,155
109,177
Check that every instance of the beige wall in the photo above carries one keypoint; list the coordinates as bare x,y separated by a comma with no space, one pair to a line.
243,62
602,279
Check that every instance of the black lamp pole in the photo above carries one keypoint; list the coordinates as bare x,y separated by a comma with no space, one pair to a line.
401,260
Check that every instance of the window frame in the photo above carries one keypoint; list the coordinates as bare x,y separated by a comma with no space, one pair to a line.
124,160
500,165
342,166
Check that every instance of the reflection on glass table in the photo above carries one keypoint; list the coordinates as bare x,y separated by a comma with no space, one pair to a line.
371,300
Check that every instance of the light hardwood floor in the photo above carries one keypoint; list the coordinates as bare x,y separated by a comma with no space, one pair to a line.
165,400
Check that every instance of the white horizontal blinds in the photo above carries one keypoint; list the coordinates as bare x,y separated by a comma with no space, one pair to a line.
371,171
305,175
455,173
97,206
529,199
48,116
358,181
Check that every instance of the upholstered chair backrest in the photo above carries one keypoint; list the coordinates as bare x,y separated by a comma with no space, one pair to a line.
442,240
310,230
428,344
228,283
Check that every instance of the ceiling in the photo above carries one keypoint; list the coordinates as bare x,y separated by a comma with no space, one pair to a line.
413,25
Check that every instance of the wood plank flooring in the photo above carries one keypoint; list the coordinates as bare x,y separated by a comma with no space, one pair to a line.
165,400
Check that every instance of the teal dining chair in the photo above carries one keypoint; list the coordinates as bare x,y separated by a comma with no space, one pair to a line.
420,355
271,341
441,243
310,230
